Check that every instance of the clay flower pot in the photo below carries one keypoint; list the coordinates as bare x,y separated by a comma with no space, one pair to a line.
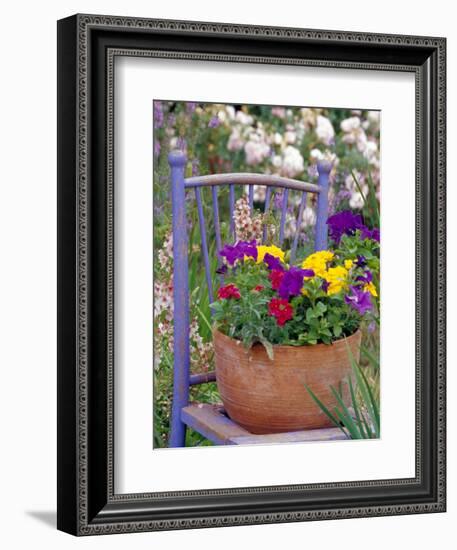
269,396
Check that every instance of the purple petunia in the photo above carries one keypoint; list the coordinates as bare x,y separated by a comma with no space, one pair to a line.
273,262
372,234
238,251
347,223
359,300
292,281
343,223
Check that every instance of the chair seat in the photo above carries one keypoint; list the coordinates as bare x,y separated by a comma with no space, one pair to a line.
212,422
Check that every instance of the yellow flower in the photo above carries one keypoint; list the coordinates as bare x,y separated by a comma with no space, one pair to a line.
318,262
337,279
369,287
348,264
272,250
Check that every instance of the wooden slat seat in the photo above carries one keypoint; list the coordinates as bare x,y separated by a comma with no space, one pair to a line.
213,423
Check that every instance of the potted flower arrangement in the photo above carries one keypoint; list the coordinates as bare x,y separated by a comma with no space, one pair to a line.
282,328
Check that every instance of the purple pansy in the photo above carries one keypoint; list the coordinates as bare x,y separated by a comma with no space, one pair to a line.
366,278
273,262
238,251
292,281
361,261
359,300
325,285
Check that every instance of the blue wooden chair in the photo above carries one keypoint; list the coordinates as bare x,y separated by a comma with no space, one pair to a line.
210,420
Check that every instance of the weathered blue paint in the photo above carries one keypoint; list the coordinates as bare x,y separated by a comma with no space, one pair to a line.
323,169
285,200
272,180
217,227
201,219
202,378
212,423
267,207
298,228
181,363
251,197
232,209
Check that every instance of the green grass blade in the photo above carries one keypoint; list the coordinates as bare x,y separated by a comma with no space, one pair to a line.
359,189
369,399
373,200
325,410
355,406
345,415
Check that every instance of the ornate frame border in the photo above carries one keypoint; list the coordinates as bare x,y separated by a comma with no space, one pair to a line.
87,508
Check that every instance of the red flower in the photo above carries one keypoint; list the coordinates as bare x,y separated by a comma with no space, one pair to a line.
281,310
275,277
258,288
228,291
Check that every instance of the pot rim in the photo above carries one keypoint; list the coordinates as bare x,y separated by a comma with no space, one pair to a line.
282,346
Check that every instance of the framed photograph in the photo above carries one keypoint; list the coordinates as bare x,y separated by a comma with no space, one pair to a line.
251,274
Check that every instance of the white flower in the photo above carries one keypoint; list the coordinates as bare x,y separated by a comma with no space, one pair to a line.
356,199
371,152
230,111
290,136
324,130
256,151
309,217
277,138
243,118
350,124
235,142
276,161
315,155
292,162
222,116
374,116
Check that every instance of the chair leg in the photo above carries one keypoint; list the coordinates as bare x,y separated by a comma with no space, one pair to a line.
178,428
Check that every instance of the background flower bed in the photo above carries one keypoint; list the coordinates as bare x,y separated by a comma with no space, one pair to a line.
240,138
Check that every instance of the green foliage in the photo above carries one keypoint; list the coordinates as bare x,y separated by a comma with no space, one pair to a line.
362,419
318,316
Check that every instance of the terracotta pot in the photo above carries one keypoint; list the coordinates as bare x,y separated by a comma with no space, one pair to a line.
269,396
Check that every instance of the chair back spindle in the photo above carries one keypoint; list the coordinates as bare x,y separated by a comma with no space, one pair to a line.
323,169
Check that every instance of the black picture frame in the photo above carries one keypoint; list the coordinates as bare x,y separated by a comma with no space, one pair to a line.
87,46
